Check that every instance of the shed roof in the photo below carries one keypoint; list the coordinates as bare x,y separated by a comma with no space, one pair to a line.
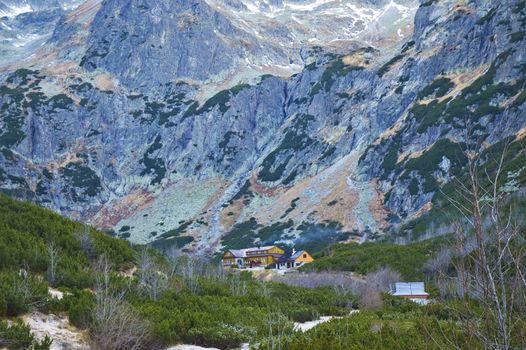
242,253
296,254
290,257
409,288
284,258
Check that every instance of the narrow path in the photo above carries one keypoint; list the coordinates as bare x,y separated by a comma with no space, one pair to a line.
189,347
305,326
195,347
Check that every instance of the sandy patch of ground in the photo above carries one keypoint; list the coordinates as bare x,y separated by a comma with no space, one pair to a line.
521,134
104,82
57,328
461,80
128,273
359,58
332,134
410,154
230,214
61,69
392,131
216,195
85,13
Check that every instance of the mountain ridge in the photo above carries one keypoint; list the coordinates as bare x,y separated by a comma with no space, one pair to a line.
297,160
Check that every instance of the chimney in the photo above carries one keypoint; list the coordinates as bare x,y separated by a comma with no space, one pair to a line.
293,251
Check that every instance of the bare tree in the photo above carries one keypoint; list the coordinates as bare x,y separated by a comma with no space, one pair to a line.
376,283
339,281
190,270
115,325
382,279
264,289
151,277
491,245
172,255
440,262
52,253
342,283
279,327
238,286
24,288
102,269
85,239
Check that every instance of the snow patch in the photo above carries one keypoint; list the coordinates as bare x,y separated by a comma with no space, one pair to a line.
14,11
6,26
305,326
190,347
244,346
55,293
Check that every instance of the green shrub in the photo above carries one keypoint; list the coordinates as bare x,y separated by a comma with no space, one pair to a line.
385,68
487,17
438,88
17,336
431,158
391,158
413,187
211,310
398,327
334,69
302,315
80,308
367,257
516,37
18,294
154,166
27,229
221,315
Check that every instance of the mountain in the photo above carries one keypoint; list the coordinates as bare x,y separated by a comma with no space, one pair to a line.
210,123
25,26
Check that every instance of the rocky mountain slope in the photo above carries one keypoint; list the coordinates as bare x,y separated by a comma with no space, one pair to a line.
228,123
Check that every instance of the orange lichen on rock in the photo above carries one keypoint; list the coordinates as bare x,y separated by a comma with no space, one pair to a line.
117,209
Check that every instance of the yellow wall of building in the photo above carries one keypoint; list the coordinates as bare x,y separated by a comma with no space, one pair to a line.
265,260
276,250
305,258
230,259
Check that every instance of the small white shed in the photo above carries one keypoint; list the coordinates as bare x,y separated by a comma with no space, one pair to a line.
414,291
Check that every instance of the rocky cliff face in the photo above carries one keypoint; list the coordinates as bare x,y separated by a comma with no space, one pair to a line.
221,123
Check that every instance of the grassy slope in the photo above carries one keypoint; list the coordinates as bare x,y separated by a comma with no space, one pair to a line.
213,309
406,259
26,229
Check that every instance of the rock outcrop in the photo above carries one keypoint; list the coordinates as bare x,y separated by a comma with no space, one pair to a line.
160,121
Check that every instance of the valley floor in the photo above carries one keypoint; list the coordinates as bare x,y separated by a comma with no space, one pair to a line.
67,336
